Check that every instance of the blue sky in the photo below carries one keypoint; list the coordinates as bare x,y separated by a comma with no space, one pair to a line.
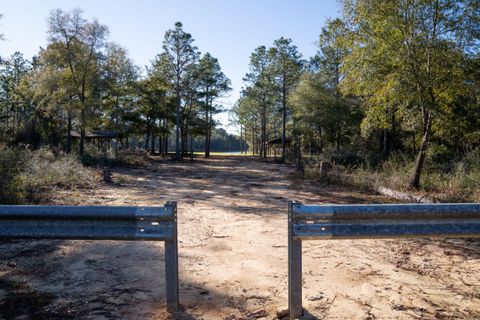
229,29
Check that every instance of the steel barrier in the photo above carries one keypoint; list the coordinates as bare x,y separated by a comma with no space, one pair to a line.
373,221
100,223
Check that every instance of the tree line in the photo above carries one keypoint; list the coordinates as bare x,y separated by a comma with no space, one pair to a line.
388,76
81,82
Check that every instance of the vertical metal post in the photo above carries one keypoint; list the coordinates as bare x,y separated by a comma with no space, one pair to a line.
171,265
294,270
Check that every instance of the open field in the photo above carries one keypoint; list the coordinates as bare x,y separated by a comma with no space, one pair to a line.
233,256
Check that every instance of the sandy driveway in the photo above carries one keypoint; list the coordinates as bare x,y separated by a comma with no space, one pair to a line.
233,237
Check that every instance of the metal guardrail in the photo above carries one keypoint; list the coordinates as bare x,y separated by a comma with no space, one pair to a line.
374,221
100,223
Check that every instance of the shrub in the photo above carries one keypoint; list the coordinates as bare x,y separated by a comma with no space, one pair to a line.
44,169
12,187
27,175
91,156
126,158
461,182
440,159
347,158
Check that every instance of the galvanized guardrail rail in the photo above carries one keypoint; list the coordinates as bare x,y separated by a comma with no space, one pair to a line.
100,223
374,221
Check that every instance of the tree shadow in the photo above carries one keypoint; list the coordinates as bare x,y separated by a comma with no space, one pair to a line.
308,316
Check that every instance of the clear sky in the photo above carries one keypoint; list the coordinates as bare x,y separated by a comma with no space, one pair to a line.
229,29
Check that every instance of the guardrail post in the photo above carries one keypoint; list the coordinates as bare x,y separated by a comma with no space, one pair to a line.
171,265
294,270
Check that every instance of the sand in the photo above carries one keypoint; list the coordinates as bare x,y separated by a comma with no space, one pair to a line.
233,256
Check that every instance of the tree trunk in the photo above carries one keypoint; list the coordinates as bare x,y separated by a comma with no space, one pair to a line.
393,133
184,143
209,133
241,141
165,144
191,148
181,141
299,164
152,143
284,117
320,134
263,151
253,141
82,133
69,133
207,128
415,180
339,137
178,155
185,133
165,137
207,151
386,144
160,144
147,139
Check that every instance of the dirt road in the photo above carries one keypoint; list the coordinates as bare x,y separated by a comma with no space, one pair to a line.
233,256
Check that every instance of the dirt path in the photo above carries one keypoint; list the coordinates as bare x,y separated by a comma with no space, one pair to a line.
232,246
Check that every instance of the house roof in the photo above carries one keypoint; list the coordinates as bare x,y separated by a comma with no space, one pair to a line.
98,134
279,140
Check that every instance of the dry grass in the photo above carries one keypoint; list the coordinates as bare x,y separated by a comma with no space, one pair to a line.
28,176
460,182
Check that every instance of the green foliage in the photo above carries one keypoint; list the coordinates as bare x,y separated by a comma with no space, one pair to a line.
15,101
194,83
262,110
394,87
325,115
81,83
408,58
258,99
119,78
176,65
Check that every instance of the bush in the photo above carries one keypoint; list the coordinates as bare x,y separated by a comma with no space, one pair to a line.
347,158
441,159
461,182
91,156
12,186
27,175
126,158
44,169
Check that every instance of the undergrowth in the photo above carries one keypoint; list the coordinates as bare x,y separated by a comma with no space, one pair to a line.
450,182
27,176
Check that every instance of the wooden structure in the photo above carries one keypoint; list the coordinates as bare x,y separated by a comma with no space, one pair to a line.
275,146
102,139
